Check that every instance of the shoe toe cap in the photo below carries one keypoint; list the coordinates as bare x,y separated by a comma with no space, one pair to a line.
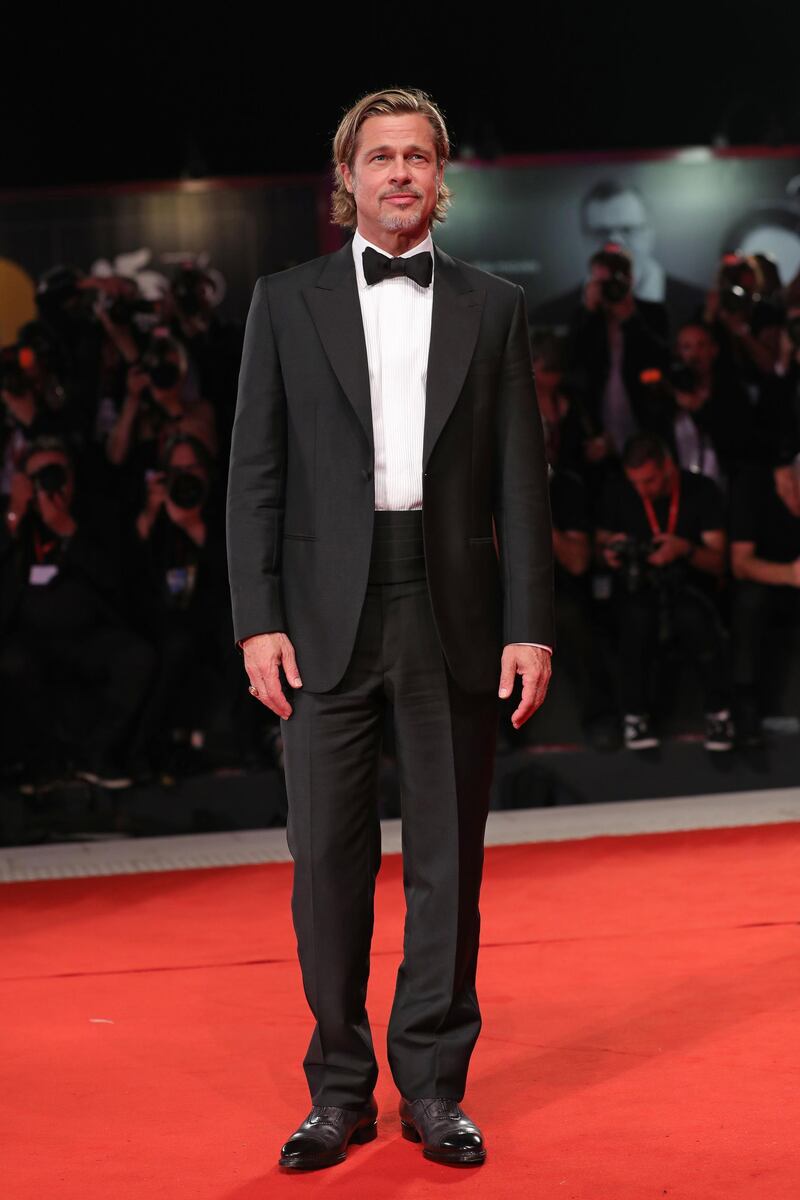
462,1139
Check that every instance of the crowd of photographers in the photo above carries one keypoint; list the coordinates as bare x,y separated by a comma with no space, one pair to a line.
675,494
117,661
675,489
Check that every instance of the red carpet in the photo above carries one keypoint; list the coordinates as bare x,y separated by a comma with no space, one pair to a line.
641,1000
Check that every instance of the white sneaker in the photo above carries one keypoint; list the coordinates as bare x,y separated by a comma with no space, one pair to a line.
638,734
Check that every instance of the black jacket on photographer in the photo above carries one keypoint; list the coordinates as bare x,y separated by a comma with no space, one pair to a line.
57,586
176,582
721,431
644,347
701,509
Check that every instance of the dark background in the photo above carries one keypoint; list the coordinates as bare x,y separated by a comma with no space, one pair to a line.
129,93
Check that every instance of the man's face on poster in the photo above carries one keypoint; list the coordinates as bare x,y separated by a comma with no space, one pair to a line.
621,218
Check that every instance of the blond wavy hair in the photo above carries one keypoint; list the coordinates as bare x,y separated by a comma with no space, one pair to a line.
389,102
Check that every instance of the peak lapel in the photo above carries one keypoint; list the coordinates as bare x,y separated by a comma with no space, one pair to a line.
336,310
456,318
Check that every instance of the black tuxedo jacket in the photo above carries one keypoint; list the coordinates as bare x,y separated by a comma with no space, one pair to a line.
301,496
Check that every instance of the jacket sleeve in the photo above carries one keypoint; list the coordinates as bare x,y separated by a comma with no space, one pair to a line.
257,478
521,495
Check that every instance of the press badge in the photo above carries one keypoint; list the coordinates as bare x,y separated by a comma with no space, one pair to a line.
181,580
41,573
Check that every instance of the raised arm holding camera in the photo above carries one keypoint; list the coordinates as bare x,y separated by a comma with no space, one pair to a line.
613,338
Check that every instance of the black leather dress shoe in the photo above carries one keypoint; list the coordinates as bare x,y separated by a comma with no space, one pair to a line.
446,1132
323,1138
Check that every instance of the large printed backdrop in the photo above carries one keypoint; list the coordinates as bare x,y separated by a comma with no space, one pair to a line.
534,221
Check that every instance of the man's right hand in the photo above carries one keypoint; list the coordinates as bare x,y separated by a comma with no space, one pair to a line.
263,654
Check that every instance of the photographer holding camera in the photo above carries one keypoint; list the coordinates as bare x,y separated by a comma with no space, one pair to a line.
612,339
24,412
179,588
701,410
156,406
662,532
765,558
214,345
59,616
746,325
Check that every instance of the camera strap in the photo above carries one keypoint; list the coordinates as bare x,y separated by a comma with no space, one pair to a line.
674,504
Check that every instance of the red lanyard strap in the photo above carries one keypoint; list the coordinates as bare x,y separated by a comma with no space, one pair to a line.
674,502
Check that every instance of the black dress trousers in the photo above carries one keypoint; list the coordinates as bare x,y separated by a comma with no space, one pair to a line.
445,742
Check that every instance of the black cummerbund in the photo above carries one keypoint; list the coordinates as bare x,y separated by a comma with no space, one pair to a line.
398,553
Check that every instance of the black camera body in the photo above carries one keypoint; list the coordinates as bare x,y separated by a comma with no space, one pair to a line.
635,570
50,479
682,377
186,490
619,282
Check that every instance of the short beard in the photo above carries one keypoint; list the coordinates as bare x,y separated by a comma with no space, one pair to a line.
399,220
394,222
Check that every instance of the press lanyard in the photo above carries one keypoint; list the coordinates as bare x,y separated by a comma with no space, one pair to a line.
674,501
40,547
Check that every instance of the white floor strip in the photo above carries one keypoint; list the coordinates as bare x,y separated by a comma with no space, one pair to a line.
197,850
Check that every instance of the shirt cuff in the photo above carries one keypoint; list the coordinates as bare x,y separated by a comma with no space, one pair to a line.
549,649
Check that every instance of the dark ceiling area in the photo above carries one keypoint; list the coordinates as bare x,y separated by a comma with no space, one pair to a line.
141,96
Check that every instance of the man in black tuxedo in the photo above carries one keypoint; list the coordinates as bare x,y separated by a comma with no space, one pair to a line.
387,447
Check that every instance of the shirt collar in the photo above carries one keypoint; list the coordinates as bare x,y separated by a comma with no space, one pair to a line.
360,242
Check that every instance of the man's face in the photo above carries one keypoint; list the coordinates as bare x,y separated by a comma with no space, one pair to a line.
183,458
696,349
394,180
651,479
621,218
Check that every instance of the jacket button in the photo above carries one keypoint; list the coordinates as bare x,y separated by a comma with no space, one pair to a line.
366,472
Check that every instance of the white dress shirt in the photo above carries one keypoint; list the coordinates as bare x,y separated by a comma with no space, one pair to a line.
397,329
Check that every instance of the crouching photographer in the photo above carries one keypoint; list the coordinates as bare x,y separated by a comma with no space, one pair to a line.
765,557
662,532
63,638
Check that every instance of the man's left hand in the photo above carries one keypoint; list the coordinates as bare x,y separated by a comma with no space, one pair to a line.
533,664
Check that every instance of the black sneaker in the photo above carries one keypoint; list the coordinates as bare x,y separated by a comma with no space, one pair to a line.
638,734
719,731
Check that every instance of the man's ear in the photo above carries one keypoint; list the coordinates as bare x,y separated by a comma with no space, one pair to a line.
347,176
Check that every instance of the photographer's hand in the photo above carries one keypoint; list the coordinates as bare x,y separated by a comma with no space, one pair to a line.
156,496
593,295
263,652
624,309
606,543
19,500
597,448
670,548
55,513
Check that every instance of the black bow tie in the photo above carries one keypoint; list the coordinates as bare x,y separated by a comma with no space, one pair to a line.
418,267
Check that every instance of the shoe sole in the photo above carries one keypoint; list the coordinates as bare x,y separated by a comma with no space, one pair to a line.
643,744
718,745
367,1133
112,784
461,1158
